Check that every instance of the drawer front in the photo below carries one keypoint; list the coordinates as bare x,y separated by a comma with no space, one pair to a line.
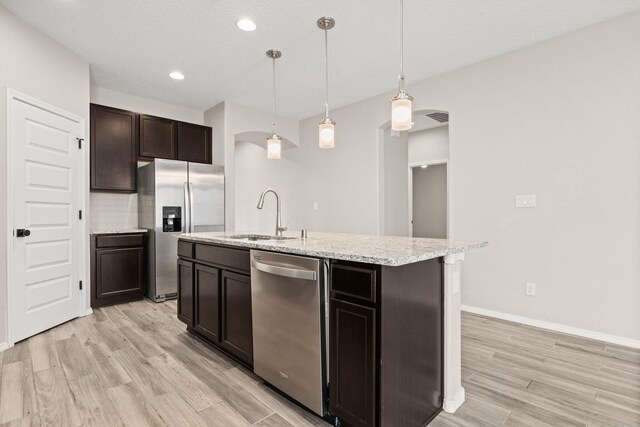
352,281
226,257
120,241
185,249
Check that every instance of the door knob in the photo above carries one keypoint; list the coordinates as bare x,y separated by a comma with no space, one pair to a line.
21,232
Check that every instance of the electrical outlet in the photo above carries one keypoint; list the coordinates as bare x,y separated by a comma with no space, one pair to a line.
530,289
315,206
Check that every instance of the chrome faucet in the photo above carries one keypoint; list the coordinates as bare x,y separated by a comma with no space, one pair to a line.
279,227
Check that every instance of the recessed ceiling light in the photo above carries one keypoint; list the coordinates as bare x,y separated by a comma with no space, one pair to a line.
176,75
246,24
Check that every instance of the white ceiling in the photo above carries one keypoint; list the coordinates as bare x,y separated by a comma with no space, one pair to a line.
132,45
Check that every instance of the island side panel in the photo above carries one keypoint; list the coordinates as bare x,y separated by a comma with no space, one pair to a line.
453,391
411,347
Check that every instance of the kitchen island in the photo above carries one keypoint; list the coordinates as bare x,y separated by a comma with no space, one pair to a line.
394,316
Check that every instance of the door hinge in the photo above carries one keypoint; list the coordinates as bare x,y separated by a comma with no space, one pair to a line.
80,284
80,214
80,141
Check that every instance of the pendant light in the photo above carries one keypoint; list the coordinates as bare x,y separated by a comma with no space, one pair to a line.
274,144
326,127
402,102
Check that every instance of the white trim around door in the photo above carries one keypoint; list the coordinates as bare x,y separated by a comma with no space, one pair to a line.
79,192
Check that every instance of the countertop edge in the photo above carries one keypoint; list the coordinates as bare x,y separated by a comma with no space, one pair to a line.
386,261
127,231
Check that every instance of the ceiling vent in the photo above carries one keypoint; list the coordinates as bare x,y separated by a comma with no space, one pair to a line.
439,116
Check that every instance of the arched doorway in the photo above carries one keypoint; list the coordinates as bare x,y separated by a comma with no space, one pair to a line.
399,153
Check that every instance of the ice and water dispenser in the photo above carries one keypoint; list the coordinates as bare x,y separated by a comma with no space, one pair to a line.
171,219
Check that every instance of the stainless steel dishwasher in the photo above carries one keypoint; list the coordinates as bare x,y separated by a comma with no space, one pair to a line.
288,305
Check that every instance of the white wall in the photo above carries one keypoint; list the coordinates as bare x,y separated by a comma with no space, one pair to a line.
35,65
344,180
254,174
216,118
113,211
238,119
429,145
396,185
112,98
561,120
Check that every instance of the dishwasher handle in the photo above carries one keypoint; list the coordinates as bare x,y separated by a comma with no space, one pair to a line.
280,270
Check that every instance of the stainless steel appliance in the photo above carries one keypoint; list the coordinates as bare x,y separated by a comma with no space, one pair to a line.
289,317
176,197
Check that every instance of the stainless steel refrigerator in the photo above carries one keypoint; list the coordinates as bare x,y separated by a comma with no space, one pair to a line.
176,197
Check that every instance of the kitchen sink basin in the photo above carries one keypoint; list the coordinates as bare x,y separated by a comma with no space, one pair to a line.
254,237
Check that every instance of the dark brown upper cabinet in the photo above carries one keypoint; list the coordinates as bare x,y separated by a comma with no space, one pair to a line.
194,143
170,139
113,149
158,138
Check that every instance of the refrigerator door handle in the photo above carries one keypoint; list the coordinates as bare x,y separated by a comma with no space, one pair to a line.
187,208
191,227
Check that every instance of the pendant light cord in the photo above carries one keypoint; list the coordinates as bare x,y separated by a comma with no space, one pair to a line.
326,74
401,46
274,96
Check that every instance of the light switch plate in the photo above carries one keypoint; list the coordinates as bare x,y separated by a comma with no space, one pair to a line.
526,201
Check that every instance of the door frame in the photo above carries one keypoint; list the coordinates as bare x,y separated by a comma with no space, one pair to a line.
410,191
10,96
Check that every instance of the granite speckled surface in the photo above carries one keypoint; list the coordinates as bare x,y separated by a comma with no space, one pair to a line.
383,250
126,231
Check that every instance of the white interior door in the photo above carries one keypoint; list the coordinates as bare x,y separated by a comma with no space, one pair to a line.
46,192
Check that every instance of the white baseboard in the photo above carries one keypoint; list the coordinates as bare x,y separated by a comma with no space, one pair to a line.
613,339
4,345
88,312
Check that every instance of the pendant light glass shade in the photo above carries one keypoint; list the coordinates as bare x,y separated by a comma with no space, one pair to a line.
326,133
274,144
274,147
401,114
401,103
326,127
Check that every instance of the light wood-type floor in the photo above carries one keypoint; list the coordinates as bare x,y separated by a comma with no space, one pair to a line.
134,364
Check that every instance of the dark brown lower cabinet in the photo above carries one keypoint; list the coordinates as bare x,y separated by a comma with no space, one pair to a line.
353,354
185,292
117,269
237,331
214,296
207,302
386,343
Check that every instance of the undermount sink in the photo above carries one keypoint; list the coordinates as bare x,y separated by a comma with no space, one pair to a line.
255,237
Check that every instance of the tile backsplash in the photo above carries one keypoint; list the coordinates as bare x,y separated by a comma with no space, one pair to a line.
112,211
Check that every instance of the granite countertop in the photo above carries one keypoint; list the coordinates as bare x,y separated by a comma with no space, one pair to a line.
383,250
121,231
